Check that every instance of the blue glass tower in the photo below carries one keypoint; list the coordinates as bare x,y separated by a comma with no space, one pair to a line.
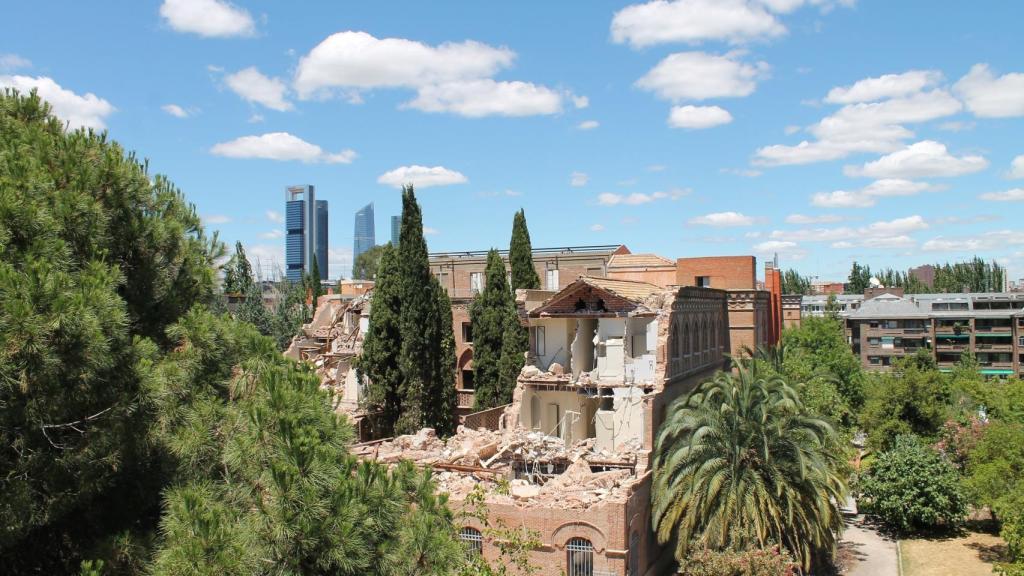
306,232
364,231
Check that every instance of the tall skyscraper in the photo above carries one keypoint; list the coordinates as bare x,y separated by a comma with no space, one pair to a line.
364,231
396,230
306,225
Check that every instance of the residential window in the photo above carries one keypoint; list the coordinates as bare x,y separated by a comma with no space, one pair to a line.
875,360
539,341
467,332
580,557
476,281
472,540
873,341
887,342
551,279
703,281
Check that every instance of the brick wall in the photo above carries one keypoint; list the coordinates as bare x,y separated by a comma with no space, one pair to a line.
726,272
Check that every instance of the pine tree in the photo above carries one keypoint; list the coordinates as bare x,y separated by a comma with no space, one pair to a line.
378,364
489,315
520,255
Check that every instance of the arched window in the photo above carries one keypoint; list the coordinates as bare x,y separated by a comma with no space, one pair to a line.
580,557
472,540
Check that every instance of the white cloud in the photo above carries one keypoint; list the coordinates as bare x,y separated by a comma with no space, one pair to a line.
272,234
919,160
359,60
791,129
428,231
211,18
280,146
745,172
578,179
13,62
256,118
637,198
588,125
506,192
176,111
887,86
895,227
774,245
253,86
597,228
699,76
1016,167
88,111
882,234
956,126
275,216
216,219
867,196
990,97
486,97
580,102
817,219
339,261
698,117
723,219
1012,195
994,240
421,176
656,168
693,21
862,121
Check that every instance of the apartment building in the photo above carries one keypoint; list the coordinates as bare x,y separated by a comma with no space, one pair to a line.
606,358
889,325
462,274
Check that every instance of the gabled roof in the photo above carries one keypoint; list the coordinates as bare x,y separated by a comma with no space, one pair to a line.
589,296
638,260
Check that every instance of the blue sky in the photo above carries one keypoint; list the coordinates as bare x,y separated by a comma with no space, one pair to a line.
823,130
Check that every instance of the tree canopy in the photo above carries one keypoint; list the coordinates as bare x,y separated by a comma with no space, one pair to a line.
367,264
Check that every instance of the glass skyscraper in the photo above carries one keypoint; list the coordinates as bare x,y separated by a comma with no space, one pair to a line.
396,230
364,231
306,238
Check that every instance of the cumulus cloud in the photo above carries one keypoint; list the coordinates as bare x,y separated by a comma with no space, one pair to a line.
994,240
868,196
1012,195
280,146
588,125
272,234
175,110
637,198
883,234
813,219
699,76
13,62
723,219
887,86
693,21
698,117
253,86
925,159
421,176
1016,167
88,111
578,179
486,97
990,97
210,18
359,60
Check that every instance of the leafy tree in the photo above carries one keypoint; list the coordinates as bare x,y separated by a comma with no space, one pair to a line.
794,283
238,281
912,487
97,258
491,315
911,399
367,264
818,348
378,364
740,464
859,279
995,478
520,255
289,314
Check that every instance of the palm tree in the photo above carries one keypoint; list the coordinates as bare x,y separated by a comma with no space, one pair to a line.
740,463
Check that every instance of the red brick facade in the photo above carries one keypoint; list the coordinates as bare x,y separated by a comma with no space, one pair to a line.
723,272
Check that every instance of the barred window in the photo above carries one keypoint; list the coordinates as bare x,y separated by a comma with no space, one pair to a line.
472,539
580,557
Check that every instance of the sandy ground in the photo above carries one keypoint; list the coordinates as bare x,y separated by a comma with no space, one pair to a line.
969,555
864,551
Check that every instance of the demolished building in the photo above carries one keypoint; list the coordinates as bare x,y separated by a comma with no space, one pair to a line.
571,456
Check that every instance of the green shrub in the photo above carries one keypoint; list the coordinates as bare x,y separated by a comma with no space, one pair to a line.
773,561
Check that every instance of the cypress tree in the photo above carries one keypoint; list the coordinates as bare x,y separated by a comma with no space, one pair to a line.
382,345
489,315
440,399
520,255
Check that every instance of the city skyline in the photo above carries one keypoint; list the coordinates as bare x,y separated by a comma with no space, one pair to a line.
777,132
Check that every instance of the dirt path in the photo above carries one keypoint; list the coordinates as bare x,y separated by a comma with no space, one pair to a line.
863,551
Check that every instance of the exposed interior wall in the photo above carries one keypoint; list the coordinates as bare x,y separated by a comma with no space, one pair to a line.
558,337
641,350
624,423
563,413
659,276
610,349
582,347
